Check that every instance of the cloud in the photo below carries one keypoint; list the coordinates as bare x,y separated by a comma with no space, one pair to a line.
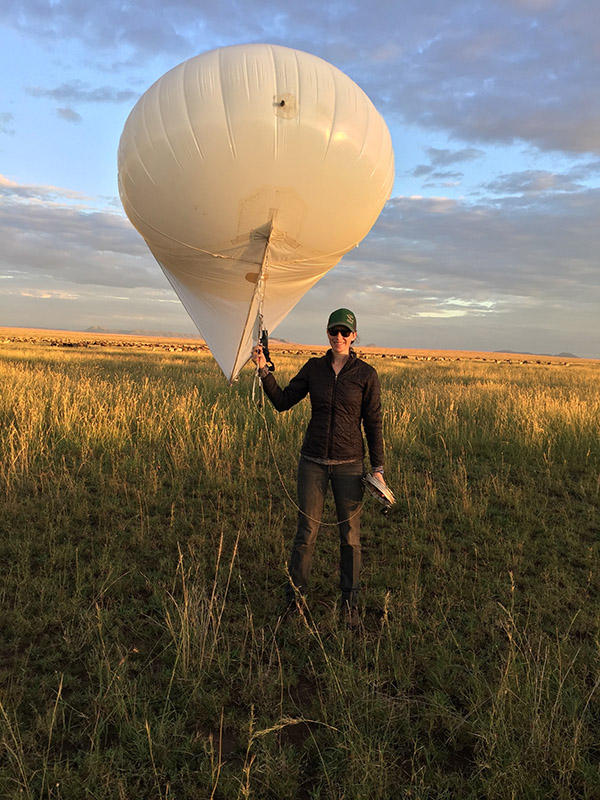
506,267
493,73
76,91
14,192
517,272
142,27
502,72
443,158
69,115
535,229
434,271
532,182
421,170
505,78
45,294
7,184
6,119
45,234
534,5
585,171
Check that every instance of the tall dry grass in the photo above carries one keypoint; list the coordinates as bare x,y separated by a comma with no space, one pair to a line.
144,531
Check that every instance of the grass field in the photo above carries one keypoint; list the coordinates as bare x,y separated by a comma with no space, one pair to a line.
143,537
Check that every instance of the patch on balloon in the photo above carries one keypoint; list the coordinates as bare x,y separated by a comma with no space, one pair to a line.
286,105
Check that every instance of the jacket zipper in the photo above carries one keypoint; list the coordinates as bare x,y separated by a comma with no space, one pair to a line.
332,415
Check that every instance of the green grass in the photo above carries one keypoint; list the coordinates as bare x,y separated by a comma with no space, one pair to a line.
144,533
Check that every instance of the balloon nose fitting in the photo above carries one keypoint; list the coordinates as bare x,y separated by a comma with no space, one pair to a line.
285,105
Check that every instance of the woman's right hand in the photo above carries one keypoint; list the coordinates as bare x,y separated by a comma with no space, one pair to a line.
379,476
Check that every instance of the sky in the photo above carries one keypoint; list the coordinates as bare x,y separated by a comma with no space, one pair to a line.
490,240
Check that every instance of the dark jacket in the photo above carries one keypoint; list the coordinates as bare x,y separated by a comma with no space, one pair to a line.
340,403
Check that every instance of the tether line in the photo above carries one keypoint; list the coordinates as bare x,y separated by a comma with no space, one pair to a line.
280,476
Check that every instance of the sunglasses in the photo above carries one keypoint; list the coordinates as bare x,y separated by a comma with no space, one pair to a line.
333,332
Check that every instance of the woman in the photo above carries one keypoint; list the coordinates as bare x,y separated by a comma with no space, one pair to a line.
344,394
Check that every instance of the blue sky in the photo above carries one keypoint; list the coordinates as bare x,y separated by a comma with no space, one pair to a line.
491,239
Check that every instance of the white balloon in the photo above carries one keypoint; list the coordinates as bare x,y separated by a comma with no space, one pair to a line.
249,171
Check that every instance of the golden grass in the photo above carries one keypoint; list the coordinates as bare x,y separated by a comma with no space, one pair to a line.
145,533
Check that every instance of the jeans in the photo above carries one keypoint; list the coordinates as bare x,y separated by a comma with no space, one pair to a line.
347,486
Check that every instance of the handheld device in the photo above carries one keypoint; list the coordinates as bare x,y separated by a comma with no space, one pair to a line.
380,492
264,342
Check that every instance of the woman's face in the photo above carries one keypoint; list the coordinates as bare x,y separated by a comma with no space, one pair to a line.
340,339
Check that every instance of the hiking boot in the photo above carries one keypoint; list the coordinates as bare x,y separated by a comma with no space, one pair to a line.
350,616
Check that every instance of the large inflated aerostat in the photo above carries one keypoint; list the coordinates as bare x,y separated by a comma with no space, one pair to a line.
250,171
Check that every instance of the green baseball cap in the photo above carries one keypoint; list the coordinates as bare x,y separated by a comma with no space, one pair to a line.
342,316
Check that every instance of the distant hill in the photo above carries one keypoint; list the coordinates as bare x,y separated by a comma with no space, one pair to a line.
162,334
99,331
547,355
141,332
